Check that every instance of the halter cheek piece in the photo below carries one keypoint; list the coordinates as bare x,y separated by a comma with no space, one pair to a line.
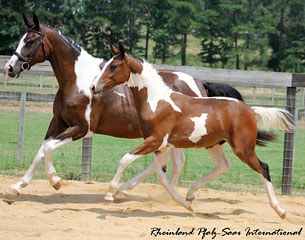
26,61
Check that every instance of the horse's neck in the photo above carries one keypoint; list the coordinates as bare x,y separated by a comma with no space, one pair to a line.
150,81
73,66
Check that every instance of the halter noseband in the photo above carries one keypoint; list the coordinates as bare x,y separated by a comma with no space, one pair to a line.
26,61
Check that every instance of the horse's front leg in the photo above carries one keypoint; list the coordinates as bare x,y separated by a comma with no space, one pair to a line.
15,189
149,145
177,162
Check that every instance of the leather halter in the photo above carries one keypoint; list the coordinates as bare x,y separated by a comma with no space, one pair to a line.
26,61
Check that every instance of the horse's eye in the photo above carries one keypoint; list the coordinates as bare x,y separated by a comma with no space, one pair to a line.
30,41
112,67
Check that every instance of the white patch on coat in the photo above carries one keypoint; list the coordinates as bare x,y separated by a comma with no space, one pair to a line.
157,90
189,80
199,128
13,60
119,94
164,142
86,69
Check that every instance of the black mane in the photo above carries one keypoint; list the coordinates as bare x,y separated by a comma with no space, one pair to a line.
67,39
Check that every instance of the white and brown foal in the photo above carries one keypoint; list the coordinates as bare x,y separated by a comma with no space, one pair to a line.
169,118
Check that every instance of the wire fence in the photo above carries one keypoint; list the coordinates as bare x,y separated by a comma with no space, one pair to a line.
26,107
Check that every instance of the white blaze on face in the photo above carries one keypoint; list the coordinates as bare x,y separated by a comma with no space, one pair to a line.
157,90
100,73
199,128
189,80
13,60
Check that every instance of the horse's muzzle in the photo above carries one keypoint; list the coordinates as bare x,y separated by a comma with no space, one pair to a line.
95,90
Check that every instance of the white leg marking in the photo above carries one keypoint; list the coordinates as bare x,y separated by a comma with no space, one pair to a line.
274,203
26,179
178,161
159,163
49,146
221,164
199,128
124,162
45,151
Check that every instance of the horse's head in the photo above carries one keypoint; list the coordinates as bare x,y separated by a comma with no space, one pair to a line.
31,48
116,71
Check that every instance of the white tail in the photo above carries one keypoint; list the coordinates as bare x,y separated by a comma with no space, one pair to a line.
273,118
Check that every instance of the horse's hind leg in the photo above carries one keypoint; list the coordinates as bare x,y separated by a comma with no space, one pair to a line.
178,161
249,156
161,176
221,164
274,203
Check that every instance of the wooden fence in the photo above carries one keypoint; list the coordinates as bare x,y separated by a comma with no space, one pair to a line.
289,81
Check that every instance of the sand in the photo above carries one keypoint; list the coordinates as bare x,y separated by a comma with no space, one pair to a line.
76,212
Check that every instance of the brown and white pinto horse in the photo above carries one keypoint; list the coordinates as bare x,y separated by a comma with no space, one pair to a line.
76,112
169,118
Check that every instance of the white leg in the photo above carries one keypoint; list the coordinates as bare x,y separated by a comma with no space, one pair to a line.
122,191
14,190
274,203
178,161
49,146
124,162
221,164
45,151
161,175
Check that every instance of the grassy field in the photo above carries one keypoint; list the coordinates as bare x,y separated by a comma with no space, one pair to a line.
108,150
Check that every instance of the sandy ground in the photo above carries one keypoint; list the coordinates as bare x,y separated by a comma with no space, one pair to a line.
76,212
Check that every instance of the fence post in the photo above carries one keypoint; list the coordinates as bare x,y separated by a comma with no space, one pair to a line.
21,125
289,144
86,159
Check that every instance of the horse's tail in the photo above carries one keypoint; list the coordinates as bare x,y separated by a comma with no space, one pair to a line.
271,118
221,90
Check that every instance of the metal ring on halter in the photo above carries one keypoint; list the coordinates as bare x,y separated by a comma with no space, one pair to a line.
25,66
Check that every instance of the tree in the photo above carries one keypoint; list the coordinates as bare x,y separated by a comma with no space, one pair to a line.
182,21
213,28
287,41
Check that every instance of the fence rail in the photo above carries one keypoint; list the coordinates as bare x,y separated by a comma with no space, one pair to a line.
289,81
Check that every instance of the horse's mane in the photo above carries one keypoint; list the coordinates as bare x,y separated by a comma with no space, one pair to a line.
67,39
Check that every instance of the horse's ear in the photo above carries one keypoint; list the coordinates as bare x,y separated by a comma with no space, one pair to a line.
114,49
36,22
27,21
122,50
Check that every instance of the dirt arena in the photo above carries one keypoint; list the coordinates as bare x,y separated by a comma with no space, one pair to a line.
76,212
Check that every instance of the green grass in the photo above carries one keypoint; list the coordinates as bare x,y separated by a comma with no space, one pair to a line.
108,150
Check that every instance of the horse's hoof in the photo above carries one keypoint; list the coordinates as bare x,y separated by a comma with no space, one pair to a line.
189,207
12,192
283,215
107,202
190,199
121,194
58,185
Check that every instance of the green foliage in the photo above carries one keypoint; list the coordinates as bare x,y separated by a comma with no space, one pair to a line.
242,34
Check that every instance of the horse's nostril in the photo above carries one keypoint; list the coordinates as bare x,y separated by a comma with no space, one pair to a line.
92,87
10,69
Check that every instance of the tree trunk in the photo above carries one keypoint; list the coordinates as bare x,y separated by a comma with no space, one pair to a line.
183,49
146,43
